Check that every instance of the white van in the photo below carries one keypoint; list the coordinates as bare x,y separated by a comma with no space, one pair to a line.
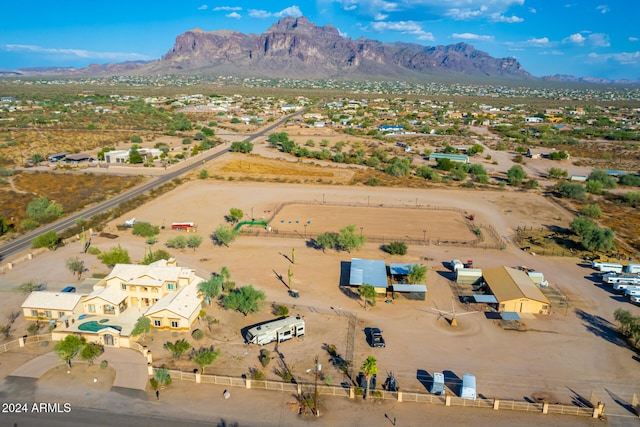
468,389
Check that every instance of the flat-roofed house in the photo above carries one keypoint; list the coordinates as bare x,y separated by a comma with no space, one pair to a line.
43,305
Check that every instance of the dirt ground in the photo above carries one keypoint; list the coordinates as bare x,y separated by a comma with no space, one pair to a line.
564,357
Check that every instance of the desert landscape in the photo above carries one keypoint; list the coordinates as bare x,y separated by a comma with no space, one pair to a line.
560,357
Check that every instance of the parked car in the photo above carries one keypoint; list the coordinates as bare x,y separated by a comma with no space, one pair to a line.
375,338
69,289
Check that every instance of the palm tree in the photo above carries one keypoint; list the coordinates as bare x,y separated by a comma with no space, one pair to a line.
368,292
369,367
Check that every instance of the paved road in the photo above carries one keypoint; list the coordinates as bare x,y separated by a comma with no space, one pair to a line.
24,242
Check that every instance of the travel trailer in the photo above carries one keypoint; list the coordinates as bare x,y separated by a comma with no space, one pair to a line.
278,330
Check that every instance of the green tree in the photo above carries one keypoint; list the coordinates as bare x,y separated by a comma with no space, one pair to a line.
205,357
42,210
630,180
604,178
68,348
235,215
90,352
417,273
145,229
241,147
246,300
223,235
396,248
115,255
134,156
475,149
516,175
210,288
177,348
203,174
445,165
348,239
625,319
194,241
572,190
399,167
428,172
75,266
153,256
178,242
327,240
592,211
142,326
581,224
598,239
369,367
50,240
368,292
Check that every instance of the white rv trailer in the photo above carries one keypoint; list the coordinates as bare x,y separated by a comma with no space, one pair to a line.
278,330
607,266
624,286
632,268
633,280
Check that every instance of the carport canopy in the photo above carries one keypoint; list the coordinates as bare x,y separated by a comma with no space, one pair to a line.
487,299
510,315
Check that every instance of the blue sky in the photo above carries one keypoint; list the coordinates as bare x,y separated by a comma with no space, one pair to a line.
583,38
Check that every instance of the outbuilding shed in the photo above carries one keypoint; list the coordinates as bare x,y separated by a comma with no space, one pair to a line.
515,291
411,292
369,272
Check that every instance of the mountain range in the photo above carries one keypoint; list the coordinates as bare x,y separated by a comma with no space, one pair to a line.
296,48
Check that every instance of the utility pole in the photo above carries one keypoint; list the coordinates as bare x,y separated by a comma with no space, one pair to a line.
315,393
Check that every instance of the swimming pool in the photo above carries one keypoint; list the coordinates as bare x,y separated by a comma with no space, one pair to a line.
93,326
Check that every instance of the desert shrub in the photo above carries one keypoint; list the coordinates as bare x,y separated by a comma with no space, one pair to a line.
633,198
50,240
594,187
373,182
605,179
178,242
396,248
592,211
93,250
427,172
198,334
264,357
115,255
256,374
531,184
280,310
104,364
557,173
570,190
559,155
629,180
515,175
145,229
203,174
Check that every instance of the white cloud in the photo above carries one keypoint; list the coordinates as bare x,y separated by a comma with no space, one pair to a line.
538,42
626,58
261,14
380,17
576,38
593,39
341,33
369,6
496,17
471,36
289,11
203,7
603,8
227,8
551,52
633,39
234,15
599,40
77,53
532,10
404,27
466,14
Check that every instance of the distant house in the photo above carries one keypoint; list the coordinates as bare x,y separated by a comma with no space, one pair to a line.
122,156
537,153
461,158
78,158
388,128
533,119
53,158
